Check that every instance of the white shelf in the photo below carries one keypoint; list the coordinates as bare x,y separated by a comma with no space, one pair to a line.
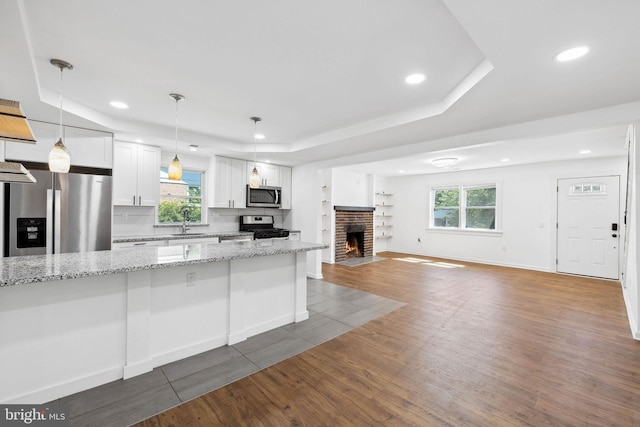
384,194
384,237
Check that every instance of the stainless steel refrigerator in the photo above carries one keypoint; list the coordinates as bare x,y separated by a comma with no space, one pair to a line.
60,213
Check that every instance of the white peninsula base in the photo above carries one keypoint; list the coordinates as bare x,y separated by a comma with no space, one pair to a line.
64,336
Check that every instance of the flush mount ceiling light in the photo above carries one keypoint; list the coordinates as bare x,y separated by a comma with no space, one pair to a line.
571,54
59,159
175,169
415,79
118,104
193,147
444,162
254,179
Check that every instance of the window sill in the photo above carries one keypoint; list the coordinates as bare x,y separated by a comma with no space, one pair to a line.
465,231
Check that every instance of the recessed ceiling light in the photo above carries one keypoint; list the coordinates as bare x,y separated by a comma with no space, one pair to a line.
415,79
585,151
139,140
267,161
444,162
400,171
571,54
193,147
504,160
119,104
259,136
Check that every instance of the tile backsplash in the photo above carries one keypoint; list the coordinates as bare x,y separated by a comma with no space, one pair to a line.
141,220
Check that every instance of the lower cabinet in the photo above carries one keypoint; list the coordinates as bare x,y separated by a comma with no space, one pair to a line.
193,241
294,235
167,242
128,245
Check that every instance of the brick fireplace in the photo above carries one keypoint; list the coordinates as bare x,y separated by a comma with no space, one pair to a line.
354,232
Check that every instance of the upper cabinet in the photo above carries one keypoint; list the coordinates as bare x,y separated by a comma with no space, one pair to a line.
89,148
228,189
285,183
228,179
269,174
136,174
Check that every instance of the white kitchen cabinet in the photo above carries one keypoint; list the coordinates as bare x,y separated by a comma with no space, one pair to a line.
285,183
142,244
269,174
228,189
136,174
294,235
88,148
192,241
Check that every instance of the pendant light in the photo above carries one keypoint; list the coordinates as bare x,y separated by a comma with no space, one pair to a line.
175,169
254,179
59,159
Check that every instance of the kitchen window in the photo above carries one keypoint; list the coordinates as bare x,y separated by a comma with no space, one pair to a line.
180,198
465,207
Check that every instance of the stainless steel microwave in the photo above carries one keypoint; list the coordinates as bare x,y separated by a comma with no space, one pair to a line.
264,197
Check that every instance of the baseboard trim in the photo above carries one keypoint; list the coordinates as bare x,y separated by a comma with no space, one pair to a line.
633,323
475,261
188,351
67,388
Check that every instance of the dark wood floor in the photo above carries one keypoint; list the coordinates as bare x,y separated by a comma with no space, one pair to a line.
475,345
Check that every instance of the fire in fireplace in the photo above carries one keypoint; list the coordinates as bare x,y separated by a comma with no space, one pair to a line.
354,245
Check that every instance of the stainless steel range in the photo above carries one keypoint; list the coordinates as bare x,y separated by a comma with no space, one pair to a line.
262,227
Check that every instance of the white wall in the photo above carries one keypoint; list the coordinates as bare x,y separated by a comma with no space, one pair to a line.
306,212
632,259
351,188
528,195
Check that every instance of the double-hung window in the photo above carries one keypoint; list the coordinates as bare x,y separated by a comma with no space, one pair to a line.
180,200
464,207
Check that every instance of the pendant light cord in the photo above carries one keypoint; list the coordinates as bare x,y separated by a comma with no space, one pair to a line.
177,100
61,97
255,143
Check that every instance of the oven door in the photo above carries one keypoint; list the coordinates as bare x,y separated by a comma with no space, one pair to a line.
264,197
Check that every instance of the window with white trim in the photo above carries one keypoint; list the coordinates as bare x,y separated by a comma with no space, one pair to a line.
464,207
181,200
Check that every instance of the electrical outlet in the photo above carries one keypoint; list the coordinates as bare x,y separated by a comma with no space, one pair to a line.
191,279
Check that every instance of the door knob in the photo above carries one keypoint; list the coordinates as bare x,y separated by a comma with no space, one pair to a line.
614,235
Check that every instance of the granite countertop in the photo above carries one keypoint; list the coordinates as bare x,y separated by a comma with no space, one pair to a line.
155,237
43,268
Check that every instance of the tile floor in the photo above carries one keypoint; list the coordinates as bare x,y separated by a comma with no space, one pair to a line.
333,310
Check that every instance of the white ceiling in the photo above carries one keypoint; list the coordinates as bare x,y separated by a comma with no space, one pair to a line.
327,77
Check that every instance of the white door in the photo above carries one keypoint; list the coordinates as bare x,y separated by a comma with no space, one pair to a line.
589,226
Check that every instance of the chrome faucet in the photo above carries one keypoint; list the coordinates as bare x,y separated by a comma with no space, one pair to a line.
185,219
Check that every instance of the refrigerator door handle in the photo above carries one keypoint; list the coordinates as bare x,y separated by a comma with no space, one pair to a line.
57,212
49,222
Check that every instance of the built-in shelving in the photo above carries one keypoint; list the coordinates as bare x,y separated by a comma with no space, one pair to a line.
326,216
383,214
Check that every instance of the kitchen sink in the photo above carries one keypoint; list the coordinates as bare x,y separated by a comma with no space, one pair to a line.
188,234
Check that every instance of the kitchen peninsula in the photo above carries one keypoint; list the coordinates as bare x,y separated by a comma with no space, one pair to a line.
70,322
